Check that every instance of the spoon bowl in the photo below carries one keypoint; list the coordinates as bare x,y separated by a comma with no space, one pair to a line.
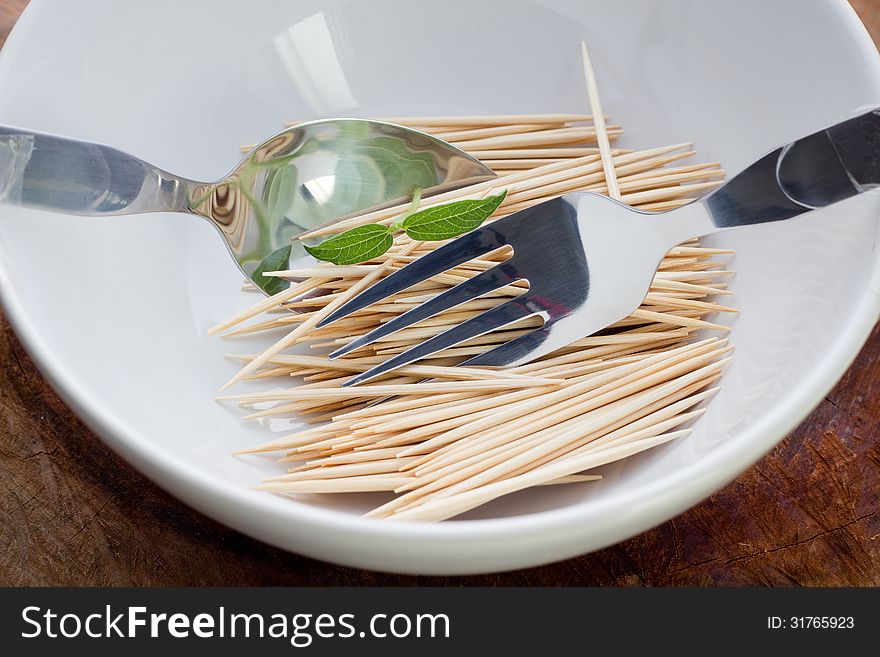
305,177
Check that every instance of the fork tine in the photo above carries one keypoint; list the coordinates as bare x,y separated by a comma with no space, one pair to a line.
476,286
507,313
509,352
467,247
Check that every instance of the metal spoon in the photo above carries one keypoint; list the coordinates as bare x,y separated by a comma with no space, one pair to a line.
302,178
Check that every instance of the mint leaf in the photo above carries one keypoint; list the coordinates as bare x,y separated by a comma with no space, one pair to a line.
353,246
450,220
275,261
438,223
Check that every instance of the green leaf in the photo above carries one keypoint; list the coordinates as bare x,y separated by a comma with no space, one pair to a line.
275,261
444,222
353,246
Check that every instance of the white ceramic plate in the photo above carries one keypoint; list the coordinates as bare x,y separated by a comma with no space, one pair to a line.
115,310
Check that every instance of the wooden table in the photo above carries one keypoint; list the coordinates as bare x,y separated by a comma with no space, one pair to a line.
73,513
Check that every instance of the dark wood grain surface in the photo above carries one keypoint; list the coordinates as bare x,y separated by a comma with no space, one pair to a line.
73,513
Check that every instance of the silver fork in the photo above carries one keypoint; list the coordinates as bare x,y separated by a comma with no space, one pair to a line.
589,260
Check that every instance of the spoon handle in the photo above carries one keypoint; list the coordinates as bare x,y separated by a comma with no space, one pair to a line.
48,172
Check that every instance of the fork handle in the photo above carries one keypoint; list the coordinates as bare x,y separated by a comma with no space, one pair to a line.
79,177
815,171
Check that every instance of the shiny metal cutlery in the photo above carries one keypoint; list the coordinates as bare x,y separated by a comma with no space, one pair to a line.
304,177
589,260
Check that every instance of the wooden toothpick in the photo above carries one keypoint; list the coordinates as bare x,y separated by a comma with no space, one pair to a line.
599,122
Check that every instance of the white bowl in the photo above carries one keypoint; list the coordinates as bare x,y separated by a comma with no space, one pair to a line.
115,310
